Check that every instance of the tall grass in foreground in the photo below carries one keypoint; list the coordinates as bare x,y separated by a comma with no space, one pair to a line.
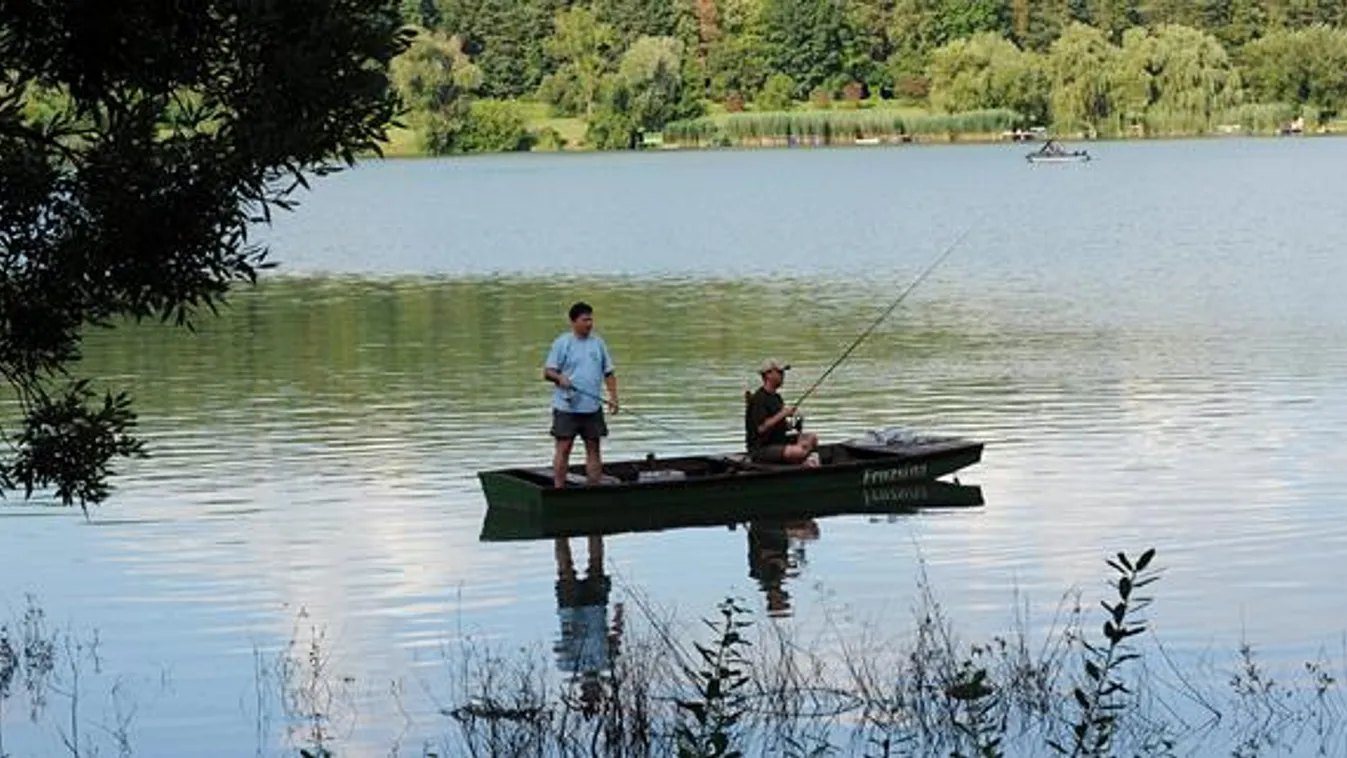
833,127
1092,686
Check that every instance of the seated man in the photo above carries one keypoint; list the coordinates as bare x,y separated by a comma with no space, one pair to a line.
765,428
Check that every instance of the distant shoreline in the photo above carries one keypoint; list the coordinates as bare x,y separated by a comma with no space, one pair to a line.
774,144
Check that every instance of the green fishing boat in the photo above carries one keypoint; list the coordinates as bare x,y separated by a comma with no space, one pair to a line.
849,467
505,523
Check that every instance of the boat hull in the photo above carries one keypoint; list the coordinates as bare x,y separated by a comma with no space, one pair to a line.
502,524
1081,158
729,478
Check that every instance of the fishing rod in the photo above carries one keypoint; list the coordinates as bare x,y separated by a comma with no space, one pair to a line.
656,424
623,410
903,295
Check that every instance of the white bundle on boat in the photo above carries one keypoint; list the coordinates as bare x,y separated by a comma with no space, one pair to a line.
887,437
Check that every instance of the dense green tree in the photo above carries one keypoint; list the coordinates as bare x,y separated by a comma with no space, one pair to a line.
1175,79
423,13
912,36
1090,65
1236,22
988,71
1299,14
169,131
1043,21
1156,13
1300,67
642,96
736,58
1081,68
582,46
504,38
737,65
435,79
638,18
494,126
959,19
777,93
806,40
1113,17
869,49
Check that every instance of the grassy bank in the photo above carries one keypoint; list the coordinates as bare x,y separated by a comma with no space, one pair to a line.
869,123
829,127
1096,684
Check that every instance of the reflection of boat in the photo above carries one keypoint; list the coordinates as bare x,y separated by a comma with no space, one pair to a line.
1051,152
504,522
667,483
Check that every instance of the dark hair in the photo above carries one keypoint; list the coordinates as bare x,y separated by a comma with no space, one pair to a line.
580,309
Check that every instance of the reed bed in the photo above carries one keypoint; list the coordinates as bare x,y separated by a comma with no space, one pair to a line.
834,127
1260,118
1094,683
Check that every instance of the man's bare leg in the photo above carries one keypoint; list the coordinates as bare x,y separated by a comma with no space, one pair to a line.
565,570
561,460
593,461
595,567
799,452
565,564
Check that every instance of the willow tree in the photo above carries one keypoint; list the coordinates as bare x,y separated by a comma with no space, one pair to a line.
436,80
641,96
1303,67
139,143
582,47
1081,66
1177,79
987,71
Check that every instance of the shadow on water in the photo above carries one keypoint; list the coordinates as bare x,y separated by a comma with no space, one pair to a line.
587,649
503,522
589,638
776,531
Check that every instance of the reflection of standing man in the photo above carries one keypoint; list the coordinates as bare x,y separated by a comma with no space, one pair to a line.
579,364
587,647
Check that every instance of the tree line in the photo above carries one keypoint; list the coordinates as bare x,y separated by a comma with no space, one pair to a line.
1091,67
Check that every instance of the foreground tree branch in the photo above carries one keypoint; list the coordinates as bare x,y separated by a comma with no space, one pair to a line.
139,141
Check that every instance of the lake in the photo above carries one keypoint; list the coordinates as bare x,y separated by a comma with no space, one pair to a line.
1153,347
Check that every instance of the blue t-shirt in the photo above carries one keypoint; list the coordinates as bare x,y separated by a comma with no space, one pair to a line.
586,362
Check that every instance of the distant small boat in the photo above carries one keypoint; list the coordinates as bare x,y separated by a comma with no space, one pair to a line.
1051,152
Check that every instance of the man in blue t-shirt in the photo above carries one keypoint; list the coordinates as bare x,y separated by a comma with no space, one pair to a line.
579,365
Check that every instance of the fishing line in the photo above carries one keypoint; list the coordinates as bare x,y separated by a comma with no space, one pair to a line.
903,295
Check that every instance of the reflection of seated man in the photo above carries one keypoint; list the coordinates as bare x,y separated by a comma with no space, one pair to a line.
586,649
767,563
772,559
799,533
766,432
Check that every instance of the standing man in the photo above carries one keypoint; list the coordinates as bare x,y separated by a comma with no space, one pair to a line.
579,365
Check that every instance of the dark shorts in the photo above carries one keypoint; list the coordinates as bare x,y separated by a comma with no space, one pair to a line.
568,426
769,454
576,593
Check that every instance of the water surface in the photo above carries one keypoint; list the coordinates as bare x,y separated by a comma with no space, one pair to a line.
1153,346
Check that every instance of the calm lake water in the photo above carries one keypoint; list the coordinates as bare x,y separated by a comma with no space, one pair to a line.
1153,346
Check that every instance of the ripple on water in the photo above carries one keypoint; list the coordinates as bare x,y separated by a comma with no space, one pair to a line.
1139,383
